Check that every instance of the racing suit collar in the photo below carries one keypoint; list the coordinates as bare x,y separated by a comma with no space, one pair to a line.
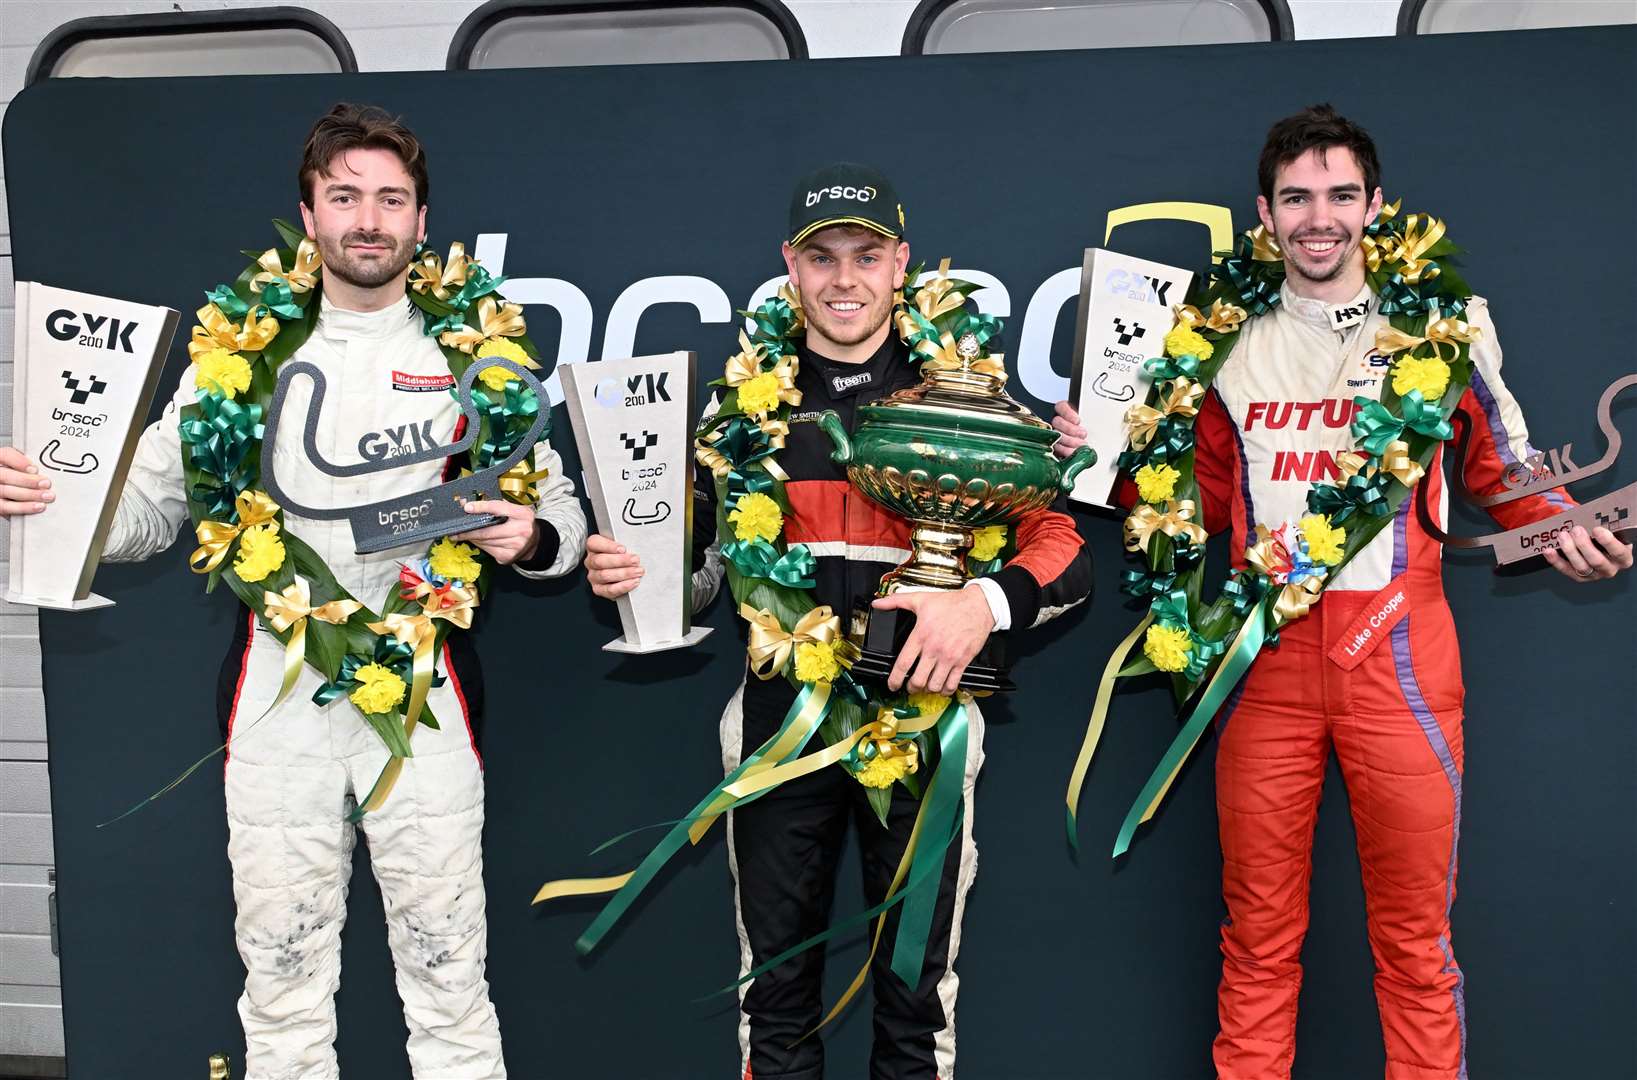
1338,317
843,380
339,324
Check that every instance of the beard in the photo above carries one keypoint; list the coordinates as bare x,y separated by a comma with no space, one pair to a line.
367,273
852,331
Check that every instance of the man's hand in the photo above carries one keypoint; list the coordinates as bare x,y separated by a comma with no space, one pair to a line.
1067,421
611,571
1580,560
508,540
22,489
950,628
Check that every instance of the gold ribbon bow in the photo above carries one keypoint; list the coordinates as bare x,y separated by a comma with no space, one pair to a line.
517,484
217,331
747,365
215,537
289,611
1421,232
1182,398
301,277
792,296
1177,521
1442,334
494,320
441,279
1383,250
1294,600
1395,462
938,296
770,645
1223,319
1264,248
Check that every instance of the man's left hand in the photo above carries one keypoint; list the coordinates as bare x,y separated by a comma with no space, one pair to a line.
950,628
1579,559
508,540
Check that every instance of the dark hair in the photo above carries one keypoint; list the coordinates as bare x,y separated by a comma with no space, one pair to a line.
1316,127
354,127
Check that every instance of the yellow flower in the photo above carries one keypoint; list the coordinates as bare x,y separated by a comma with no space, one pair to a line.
987,542
1427,374
1324,541
760,394
379,689
494,376
260,552
884,770
756,516
453,559
222,372
1182,341
929,704
816,662
1168,647
1156,483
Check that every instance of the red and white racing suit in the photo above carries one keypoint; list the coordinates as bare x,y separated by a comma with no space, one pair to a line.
1373,672
292,778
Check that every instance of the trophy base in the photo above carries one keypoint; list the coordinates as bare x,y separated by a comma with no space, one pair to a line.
694,636
880,635
91,602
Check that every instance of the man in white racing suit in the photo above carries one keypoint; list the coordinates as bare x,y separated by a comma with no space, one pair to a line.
292,778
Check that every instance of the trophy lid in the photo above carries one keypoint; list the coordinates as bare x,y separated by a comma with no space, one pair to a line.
971,390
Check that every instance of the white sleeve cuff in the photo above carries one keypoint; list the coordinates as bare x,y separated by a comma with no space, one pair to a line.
998,607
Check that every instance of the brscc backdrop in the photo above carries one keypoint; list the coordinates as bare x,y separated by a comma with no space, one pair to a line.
602,177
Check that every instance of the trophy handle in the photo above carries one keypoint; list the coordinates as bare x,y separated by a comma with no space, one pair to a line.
1078,462
830,424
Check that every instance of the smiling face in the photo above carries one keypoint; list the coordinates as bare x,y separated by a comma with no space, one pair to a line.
1318,213
364,218
847,275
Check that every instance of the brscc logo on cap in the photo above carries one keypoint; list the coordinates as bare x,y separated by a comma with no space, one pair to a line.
839,191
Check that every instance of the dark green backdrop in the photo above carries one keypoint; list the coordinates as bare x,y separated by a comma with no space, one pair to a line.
148,189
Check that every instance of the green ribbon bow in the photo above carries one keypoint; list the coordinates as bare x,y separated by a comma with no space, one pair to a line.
774,322
1171,609
759,559
479,283
508,416
1375,426
389,653
1256,282
278,299
1167,367
228,302
742,444
220,437
1359,495
1146,585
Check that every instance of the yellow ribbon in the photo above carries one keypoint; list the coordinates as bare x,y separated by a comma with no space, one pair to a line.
705,452
1421,231
1182,397
880,730
217,331
494,320
1177,521
1264,248
1099,713
937,297
1224,318
289,611
301,277
441,279
1441,335
517,483
454,605
1294,600
792,296
215,537
747,365
1385,249
1395,462
1263,555
771,645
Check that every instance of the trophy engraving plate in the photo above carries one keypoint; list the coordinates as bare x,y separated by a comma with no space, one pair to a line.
404,520
86,370
1124,315
633,423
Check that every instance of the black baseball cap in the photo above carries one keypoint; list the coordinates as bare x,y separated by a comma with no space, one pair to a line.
845,193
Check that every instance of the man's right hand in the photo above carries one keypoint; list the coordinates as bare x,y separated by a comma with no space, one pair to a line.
1067,422
611,571
22,489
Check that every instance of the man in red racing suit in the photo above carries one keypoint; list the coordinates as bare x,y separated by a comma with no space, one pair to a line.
1373,671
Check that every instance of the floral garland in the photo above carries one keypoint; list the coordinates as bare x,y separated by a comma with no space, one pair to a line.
384,662
1206,647
771,580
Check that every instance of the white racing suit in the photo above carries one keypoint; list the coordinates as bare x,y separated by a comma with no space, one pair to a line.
292,778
